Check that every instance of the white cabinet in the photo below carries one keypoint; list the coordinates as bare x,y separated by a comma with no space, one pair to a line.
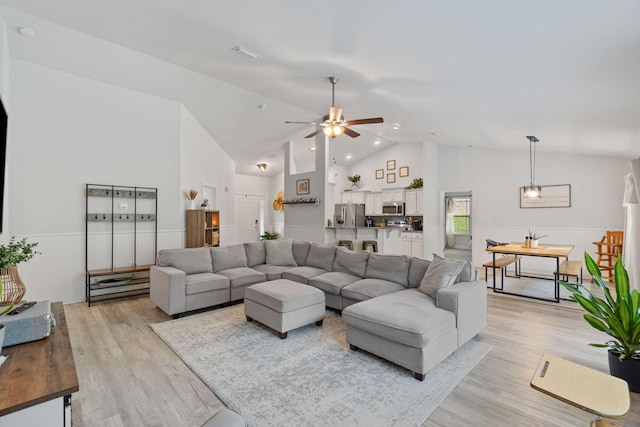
393,195
412,244
352,197
373,203
413,202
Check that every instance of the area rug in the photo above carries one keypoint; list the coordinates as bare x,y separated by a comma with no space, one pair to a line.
311,378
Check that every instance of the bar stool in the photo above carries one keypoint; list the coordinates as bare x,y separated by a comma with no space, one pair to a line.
373,244
346,243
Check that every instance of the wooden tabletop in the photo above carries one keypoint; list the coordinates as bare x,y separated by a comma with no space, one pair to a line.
38,371
517,248
585,388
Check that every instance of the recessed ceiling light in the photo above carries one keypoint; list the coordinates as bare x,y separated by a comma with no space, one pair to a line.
376,142
348,156
27,31
435,134
395,127
263,106
246,52
262,166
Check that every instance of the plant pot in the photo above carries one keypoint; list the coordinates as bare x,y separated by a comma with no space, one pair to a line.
626,369
534,243
14,288
191,205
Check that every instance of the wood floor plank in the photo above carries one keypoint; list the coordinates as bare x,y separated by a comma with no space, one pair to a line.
129,377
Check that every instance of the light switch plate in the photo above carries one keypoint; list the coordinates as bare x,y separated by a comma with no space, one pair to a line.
124,206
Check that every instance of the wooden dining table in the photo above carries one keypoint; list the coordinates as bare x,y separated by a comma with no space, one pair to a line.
545,251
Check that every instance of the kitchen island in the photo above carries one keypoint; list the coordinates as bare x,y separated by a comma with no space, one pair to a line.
389,238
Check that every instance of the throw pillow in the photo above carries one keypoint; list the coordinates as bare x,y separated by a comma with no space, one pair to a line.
280,252
440,274
321,256
227,257
351,262
467,273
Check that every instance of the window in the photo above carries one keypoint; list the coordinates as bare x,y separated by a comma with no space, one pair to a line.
462,215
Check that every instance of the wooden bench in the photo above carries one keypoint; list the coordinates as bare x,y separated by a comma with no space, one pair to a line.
502,263
569,269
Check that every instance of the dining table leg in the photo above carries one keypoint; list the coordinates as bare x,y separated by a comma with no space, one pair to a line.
494,272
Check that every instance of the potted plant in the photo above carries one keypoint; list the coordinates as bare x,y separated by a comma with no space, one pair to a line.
618,316
355,181
12,254
416,183
269,236
534,237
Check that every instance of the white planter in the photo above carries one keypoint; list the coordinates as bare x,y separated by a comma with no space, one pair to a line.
534,243
191,205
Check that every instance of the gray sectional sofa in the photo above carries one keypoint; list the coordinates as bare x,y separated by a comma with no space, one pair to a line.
409,311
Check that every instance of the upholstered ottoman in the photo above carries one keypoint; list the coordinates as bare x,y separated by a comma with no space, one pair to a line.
284,305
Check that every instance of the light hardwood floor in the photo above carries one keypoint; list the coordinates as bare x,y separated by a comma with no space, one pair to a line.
129,377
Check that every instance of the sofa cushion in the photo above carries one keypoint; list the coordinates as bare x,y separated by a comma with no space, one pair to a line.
302,274
227,257
417,268
273,272
321,256
280,252
203,282
440,274
351,262
301,251
242,276
365,289
407,317
256,253
332,282
191,261
467,274
394,268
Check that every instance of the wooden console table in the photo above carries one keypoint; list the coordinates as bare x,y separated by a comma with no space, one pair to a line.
38,377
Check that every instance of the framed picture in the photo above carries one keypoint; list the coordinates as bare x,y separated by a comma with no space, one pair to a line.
379,173
404,171
391,165
391,178
302,186
553,196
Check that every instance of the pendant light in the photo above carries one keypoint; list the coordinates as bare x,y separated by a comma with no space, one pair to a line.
532,191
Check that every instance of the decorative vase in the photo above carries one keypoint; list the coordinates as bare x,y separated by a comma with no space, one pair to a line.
191,205
355,186
534,243
626,369
14,288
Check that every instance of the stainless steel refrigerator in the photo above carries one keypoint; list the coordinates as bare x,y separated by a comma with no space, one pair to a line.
349,215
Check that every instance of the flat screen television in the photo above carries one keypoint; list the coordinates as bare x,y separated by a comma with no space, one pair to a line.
3,156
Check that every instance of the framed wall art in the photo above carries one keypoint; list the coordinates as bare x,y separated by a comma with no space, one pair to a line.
553,196
379,173
391,178
302,186
404,171
391,165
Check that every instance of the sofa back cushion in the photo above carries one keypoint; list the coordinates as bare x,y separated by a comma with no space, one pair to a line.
351,262
440,274
280,252
191,261
417,269
394,268
256,254
468,272
227,257
321,256
301,251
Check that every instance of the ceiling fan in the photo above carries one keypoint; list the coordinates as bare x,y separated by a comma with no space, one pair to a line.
334,124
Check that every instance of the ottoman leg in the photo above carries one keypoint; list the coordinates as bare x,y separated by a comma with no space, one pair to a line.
249,319
283,335
319,322
353,347
419,377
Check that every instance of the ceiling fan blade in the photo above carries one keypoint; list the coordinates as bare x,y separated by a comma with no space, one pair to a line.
314,133
334,114
302,123
351,133
365,121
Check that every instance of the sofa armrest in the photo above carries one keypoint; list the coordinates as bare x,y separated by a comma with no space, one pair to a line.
168,289
468,302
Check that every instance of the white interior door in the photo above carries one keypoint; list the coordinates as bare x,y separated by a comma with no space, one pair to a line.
247,218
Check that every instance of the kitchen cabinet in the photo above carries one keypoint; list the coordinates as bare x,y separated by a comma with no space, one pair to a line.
413,202
353,197
412,244
373,203
393,195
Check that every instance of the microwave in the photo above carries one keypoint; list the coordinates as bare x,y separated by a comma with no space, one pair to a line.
393,208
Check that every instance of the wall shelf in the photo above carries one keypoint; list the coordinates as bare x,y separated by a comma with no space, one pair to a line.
302,201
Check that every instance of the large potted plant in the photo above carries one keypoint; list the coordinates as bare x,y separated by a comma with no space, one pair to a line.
618,316
12,254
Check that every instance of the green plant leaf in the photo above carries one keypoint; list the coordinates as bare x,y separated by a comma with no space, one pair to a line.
596,323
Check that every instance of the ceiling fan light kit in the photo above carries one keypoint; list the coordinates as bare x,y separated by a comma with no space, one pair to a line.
334,124
532,191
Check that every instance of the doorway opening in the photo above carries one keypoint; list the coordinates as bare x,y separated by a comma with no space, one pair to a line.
458,225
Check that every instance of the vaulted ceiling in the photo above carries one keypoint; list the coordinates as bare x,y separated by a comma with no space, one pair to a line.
467,72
